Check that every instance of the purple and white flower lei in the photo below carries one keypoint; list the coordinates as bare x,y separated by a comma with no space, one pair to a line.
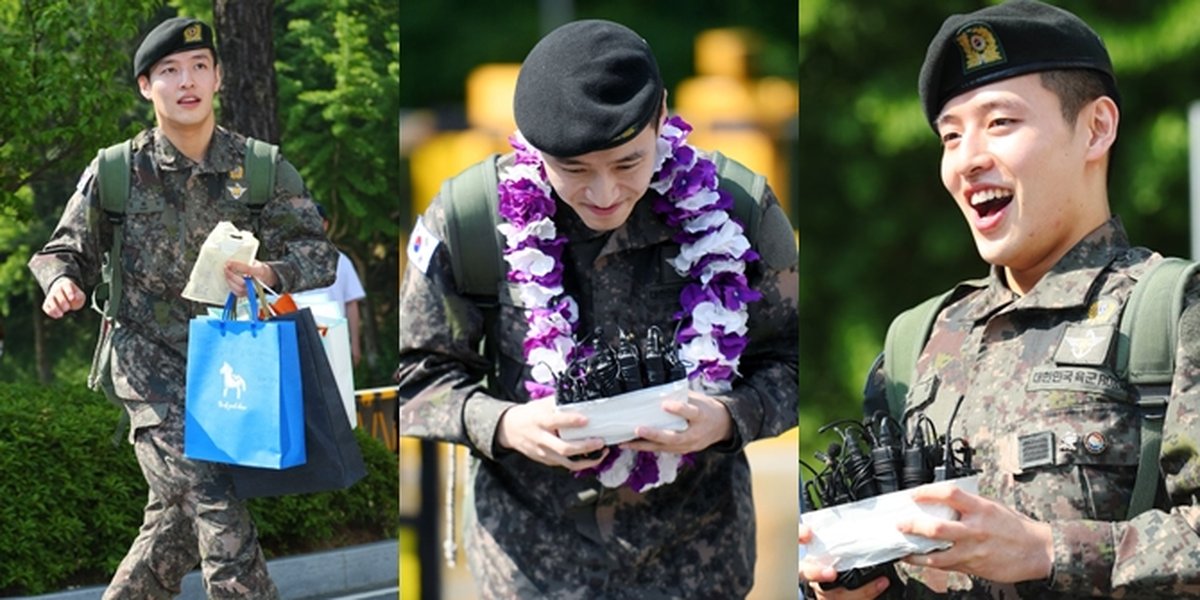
713,253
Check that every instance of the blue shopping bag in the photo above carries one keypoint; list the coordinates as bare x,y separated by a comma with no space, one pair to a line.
245,405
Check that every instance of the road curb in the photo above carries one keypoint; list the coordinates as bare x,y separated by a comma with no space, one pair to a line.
305,577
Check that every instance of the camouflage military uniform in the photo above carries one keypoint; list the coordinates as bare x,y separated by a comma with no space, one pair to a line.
540,532
1044,363
174,203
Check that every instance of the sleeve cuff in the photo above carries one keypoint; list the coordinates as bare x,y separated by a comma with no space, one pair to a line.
285,275
1083,557
746,415
481,416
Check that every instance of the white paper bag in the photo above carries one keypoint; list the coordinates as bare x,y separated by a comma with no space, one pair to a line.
226,242
335,339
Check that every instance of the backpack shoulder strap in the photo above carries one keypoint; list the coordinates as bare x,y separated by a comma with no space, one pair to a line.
113,181
747,189
260,173
471,200
902,347
1149,332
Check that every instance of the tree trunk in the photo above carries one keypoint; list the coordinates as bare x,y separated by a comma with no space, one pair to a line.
247,48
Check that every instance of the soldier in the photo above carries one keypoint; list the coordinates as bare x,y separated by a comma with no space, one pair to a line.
187,175
592,207
1025,102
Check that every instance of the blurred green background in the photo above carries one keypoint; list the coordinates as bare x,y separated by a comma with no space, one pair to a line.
880,234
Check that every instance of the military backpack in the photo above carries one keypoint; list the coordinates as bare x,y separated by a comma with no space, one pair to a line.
1148,332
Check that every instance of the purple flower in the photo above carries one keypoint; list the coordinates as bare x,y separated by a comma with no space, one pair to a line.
732,290
523,202
731,345
644,473
538,390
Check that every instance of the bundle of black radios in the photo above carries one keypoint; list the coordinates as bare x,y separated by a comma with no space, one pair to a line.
879,455
606,370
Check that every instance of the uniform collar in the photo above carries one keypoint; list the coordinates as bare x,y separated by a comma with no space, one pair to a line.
221,156
1071,282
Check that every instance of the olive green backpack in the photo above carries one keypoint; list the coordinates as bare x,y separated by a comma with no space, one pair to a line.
1148,333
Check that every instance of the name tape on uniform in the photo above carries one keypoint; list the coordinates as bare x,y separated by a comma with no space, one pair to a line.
421,246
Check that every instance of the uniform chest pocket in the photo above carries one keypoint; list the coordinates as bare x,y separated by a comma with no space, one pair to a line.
1081,449
151,248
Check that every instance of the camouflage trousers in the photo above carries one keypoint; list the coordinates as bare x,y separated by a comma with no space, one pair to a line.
191,517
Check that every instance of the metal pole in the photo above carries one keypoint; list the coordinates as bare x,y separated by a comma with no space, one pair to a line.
1194,177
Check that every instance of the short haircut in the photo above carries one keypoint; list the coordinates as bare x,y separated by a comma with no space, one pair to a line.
1074,88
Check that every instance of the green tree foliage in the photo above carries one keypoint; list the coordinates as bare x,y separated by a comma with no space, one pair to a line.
337,67
59,60
880,232
67,91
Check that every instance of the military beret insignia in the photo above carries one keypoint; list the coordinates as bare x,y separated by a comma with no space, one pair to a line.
979,46
191,34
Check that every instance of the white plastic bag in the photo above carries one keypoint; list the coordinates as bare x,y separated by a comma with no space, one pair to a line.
615,418
863,533
225,242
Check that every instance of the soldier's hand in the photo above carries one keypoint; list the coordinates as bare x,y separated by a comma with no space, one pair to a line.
235,270
64,297
532,429
708,423
813,574
991,540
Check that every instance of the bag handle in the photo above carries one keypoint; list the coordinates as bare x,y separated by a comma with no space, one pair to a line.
230,312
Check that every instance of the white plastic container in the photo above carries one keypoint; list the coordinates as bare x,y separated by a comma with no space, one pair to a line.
614,418
863,533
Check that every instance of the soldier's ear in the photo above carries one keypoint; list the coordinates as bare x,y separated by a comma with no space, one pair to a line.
144,85
217,85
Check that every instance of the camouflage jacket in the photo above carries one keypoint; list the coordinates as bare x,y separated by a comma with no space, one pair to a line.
705,519
1044,362
173,205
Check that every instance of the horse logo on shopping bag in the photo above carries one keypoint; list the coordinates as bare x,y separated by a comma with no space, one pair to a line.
233,381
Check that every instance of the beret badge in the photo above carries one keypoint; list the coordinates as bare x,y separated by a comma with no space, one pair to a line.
191,34
979,46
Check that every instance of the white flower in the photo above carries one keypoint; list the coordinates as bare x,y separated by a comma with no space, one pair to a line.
548,362
728,240
721,266
531,173
668,468
542,229
702,199
530,260
708,220
698,349
708,315
534,294
618,473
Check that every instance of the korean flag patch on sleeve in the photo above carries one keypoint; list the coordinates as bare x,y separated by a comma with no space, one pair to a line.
421,246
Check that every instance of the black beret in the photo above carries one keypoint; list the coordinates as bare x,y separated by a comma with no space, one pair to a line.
1008,40
586,86
173,35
